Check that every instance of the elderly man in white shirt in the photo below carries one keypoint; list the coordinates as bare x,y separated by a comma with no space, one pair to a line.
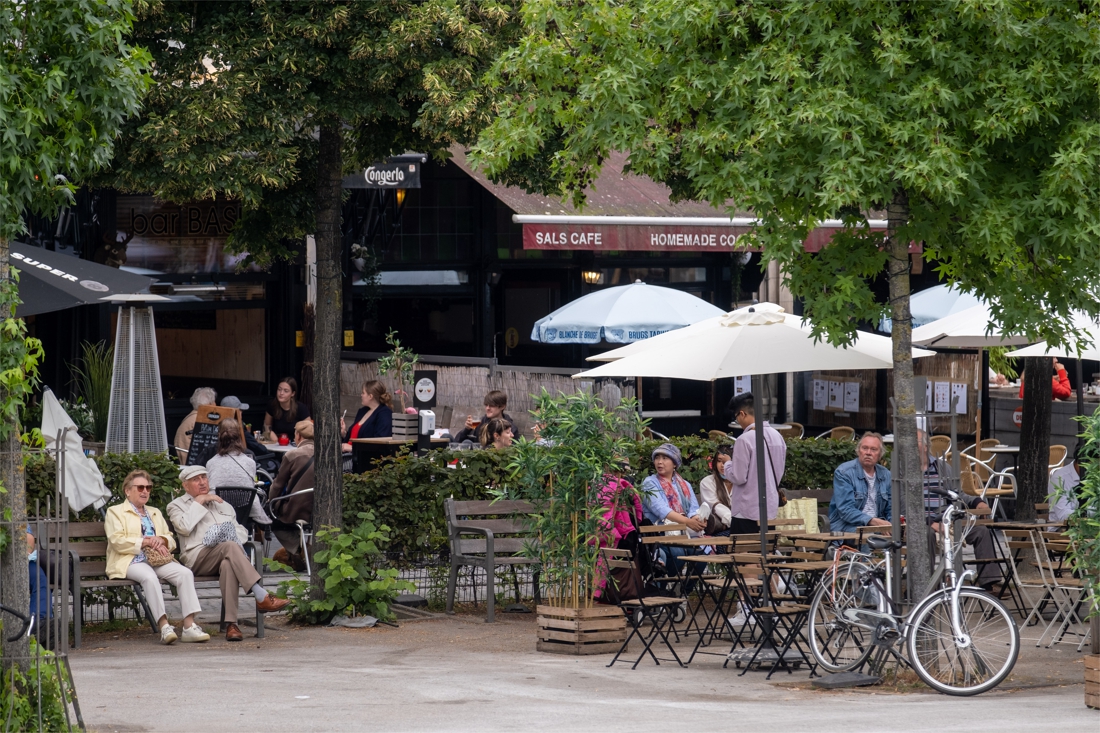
211,543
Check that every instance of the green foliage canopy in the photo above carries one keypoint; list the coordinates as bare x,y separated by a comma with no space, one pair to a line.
983,113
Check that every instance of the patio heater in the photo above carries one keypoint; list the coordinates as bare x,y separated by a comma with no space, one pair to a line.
135,420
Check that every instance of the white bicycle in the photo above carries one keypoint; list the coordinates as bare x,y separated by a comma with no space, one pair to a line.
959,639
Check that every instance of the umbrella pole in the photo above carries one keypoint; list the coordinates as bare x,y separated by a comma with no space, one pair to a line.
982,375
761,476
1080,387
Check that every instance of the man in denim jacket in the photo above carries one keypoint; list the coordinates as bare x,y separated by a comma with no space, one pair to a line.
861,489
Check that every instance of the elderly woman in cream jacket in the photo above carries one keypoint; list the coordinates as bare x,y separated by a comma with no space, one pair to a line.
134,529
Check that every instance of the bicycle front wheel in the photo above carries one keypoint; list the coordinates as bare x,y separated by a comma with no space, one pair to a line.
838,641
942,664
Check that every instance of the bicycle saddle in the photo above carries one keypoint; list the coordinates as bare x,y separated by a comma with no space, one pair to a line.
878,542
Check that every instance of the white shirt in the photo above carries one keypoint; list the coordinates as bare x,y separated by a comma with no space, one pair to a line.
1065,480
870,508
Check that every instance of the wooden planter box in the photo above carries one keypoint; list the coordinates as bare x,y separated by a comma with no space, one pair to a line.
596,630
405,425
1092,681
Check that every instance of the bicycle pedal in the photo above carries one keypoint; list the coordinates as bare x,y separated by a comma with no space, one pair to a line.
888,633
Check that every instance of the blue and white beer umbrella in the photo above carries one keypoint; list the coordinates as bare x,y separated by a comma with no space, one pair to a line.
622,315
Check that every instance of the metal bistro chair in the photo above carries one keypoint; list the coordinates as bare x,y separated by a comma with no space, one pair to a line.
1057,457
276,506
793,430
241,499
939,445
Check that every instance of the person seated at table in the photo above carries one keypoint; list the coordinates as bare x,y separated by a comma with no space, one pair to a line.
497,433
135,532
715,491
295,474
1063,486
375,417
667,497
232,466
741,469
979,536
1060,388
211,544
182,441
861,489
617,528
285,411
495,404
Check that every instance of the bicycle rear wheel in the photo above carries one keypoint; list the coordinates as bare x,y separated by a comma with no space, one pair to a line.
837,641
942,664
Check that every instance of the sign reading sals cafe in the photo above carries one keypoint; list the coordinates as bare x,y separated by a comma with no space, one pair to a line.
654,234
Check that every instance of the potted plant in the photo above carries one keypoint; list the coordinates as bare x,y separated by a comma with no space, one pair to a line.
563,476
93,382
399,363
1084,545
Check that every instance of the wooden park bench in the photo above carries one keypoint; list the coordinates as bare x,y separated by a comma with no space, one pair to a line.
487,534
88,556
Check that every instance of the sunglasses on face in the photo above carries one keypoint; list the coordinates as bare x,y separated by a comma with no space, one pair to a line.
142,487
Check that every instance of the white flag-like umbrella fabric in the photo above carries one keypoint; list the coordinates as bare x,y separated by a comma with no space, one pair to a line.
83,481
1089,344
934,303
621,315
760,339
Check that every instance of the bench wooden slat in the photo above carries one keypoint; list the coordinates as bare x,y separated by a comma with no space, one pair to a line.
489,508
503,546
497,526
88,550
86,529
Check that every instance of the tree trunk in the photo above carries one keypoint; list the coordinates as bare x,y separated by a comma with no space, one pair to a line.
14,588
328,496
907,485
1033,472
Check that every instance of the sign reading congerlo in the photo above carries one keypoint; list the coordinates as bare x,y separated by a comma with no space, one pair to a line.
400,171
656,238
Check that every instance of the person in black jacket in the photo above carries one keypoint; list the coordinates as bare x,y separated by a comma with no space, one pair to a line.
495,403
375,417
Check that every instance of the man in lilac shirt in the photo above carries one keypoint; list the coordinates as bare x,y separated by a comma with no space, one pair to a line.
740,469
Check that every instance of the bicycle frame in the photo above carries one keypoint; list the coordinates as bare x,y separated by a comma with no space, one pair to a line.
943,577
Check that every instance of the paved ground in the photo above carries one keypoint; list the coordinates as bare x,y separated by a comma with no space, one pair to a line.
458,673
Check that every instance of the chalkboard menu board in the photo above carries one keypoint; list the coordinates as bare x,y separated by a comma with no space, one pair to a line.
204,437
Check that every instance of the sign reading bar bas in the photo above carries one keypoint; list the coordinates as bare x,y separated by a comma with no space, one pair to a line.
400,171
655,237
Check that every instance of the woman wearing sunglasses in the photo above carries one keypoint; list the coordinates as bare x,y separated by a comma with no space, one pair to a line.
139,547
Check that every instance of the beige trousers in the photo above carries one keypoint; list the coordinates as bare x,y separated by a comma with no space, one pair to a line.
174,573
228,561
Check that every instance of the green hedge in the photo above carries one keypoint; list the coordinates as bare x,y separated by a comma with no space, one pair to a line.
407,492
41,477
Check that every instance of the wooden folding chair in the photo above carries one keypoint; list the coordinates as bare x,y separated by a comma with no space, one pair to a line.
657,610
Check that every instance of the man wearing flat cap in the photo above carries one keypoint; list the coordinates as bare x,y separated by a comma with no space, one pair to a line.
211,543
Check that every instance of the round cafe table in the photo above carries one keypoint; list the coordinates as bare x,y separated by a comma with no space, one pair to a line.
1011,450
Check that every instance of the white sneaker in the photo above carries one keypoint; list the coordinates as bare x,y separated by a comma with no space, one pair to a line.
167,634
194,633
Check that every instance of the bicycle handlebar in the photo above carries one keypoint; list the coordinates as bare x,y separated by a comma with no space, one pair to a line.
27,623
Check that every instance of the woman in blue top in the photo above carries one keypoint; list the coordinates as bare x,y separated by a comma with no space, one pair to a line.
667,496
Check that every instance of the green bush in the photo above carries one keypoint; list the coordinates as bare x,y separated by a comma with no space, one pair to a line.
41,478
350,569
19,707
407,492
810,463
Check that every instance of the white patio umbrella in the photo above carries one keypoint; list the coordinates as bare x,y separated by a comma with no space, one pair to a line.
757,340
83,480
971,328
621,315
1089,346
934,303
760,339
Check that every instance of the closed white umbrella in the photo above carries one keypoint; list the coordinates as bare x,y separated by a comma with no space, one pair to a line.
621,315
760,339
83,481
